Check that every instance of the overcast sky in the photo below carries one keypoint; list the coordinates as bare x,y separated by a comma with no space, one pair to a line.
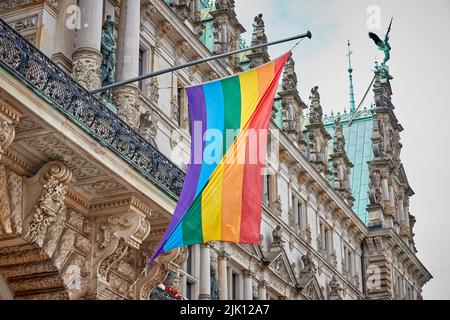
420,64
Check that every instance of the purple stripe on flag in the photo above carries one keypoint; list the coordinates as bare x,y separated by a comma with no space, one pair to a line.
197,112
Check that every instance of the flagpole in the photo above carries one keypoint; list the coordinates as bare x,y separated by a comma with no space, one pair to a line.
189,64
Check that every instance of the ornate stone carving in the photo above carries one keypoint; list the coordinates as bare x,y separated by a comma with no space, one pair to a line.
148,127
50,204
86,67
308,236
291,217
126,99
335,289
277,240
375,195
316,113
154,90
175,110
10,202
111,261
308,265
258,56
132,227
333,258
182,8
7,134
278,206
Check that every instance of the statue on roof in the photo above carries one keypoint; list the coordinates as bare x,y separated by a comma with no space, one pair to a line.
383,70
383,45
314,93
258,21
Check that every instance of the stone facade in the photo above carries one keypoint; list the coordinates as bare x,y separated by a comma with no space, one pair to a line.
81,214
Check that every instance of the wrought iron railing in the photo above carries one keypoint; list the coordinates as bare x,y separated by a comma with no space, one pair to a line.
45,78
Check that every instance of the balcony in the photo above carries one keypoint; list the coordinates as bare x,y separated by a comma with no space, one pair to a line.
37,72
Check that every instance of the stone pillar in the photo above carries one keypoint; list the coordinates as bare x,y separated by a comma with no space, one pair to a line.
87,59
205,273
126,97
230,283
262,290
223,276
248,288
385,186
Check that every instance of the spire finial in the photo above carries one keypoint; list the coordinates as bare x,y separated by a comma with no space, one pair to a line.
350,77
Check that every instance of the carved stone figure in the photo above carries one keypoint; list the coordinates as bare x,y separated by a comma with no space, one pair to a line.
335,289
375,187
309,268
148,127
277,241
278,206
314,93
7,134
315,113
258,21
339,139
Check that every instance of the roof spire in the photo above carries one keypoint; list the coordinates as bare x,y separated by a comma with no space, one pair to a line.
350,77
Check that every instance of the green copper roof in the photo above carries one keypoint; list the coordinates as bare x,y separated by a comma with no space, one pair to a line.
207,37
358,145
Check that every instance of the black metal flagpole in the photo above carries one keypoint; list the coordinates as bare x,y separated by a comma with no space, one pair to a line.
223,55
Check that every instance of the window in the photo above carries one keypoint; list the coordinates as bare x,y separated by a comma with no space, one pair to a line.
189,261
189,290
235,286
189,274
301,216
266,189
326,239
348,263
141,68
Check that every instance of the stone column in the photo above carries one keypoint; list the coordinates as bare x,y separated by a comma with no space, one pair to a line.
223,276
230,283
205,273
87,59
262,290
248,288
126,97
385,186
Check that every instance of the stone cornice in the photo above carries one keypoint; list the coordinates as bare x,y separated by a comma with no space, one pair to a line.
390,233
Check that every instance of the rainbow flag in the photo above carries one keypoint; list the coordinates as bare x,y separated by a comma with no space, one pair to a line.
221,200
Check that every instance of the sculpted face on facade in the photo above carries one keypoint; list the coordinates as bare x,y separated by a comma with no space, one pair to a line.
84,204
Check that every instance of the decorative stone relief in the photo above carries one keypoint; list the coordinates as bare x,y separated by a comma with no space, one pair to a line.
308,236
86,68
375,194
277,240
127,101
7,134
335,289
50,204
148,127
154,90
10,202
278,206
